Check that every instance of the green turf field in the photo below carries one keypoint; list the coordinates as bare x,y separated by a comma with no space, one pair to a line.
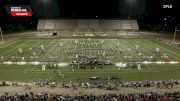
56,50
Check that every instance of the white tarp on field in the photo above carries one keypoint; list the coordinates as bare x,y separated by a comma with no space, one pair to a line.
120,64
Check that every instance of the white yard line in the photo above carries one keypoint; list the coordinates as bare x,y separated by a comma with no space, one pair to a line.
164,49
148,53
10,43
130,44
32,48
32,69
144,51
15,47
89,71
29,68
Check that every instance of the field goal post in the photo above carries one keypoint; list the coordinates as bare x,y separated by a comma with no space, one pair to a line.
175,32
2,39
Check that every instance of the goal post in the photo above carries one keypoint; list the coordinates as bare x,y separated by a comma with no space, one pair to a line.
2,39
175,32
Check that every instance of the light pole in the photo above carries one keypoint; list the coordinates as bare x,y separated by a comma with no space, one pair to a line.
45,13
130,7
45,8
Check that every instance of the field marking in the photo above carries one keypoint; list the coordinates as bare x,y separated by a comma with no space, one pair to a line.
28,64
149,66
89,71
131,45
153,68
125,47
47,53
10,43
6,66
152,50
38,70
71,72
148,48
27,69
25,47
32,68
26,44
144,51
169,54
15,47
164,49
62,56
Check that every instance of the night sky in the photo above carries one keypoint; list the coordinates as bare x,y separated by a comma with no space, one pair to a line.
145,10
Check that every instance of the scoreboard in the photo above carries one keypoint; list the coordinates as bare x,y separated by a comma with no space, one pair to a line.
20,10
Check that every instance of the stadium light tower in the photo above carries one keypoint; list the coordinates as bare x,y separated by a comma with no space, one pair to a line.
45,1
130,1
130,7
45,8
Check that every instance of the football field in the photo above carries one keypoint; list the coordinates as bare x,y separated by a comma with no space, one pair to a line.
25,58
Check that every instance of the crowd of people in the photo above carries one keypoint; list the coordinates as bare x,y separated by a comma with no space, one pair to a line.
112,85
152,96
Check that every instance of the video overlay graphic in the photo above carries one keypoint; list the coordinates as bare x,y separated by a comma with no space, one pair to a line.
20,10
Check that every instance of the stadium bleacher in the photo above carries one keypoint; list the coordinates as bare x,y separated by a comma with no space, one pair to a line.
87,26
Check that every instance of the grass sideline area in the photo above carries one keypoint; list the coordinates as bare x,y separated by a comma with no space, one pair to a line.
33,72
